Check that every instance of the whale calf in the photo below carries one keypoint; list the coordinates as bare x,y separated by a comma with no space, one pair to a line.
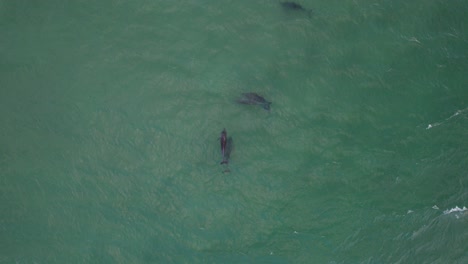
223,141
254,99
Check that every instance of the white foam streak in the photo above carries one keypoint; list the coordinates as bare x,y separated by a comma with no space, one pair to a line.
456,209
447,119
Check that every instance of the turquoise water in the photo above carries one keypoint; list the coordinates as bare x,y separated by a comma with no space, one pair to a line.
111,113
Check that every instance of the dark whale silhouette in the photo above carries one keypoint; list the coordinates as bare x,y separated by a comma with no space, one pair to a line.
223,140
293,6
254,99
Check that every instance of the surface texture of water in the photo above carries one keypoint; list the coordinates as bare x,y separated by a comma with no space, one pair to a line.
111,111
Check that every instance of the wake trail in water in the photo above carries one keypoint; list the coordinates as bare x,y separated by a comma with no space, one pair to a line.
455,209
457,113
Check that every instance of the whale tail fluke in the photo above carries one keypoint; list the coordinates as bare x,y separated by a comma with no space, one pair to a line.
266,106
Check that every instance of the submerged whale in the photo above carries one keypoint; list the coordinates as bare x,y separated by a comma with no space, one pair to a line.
254,99
224,151
293,6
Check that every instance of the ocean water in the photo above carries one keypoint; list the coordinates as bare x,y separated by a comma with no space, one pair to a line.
111,112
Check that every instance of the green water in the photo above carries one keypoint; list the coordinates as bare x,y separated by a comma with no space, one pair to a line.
111,111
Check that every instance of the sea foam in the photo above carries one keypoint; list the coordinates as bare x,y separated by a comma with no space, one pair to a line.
456,209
